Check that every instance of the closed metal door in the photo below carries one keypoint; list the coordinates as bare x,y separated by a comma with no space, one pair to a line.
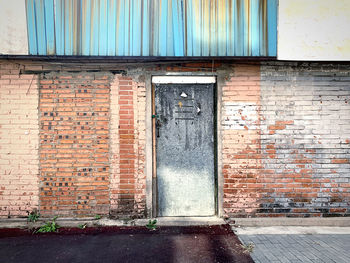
185,149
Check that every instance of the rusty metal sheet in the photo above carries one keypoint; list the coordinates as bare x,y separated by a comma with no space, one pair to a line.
152,27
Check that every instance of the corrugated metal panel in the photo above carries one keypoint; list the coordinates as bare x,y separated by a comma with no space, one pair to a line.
152,27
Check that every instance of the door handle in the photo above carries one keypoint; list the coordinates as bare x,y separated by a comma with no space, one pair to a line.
158,125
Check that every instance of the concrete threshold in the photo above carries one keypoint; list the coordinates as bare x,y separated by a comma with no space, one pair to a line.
91,222
314,221
190,221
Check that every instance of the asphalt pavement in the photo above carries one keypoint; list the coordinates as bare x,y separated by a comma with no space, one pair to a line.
128,244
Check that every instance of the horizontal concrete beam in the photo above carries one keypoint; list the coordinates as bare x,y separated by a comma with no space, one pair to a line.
183,79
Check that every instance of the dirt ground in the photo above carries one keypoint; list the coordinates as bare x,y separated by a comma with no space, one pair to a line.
124,244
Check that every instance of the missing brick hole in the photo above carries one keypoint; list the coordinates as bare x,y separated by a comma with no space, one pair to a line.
36,72
115,72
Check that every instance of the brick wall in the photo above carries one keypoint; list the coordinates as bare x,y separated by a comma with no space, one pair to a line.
241,156
91,144
114,145
140,176
128,131
19,129
74,143
306,128
286,140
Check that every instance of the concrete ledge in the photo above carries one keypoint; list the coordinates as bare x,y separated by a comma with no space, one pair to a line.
292,230
189,221
64,222
315,221
73,222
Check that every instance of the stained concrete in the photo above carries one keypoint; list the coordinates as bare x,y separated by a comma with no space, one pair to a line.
90,221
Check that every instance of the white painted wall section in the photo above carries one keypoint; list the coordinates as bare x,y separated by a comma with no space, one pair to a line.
13,28
314,30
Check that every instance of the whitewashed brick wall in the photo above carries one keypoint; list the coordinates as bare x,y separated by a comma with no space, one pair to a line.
19,140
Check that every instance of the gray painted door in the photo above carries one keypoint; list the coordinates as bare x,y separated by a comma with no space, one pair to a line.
185,149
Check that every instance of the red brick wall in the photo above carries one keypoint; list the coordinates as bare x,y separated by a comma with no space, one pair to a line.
74,143
128,147
285,139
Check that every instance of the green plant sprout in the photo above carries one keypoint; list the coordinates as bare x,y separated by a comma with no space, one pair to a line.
33,216
50,226
152,224
82,226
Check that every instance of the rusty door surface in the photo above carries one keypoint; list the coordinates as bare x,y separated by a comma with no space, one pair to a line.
185,149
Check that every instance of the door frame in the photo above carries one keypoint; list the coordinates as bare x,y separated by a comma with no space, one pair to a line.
182,78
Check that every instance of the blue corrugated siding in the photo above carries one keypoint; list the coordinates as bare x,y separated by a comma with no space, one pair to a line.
152,27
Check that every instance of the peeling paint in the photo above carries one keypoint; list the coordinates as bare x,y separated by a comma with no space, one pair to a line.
240,116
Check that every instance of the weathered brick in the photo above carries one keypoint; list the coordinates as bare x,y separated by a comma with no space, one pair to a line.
19,165
285,139
125,152
72,129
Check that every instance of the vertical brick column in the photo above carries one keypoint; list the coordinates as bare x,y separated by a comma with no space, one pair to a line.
127,151
140,183
19,139
241,140
74,139
128,140
114,145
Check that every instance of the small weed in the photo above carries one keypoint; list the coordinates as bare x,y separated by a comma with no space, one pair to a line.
82,226
152,224
248,248
50,226
33,216
97,217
